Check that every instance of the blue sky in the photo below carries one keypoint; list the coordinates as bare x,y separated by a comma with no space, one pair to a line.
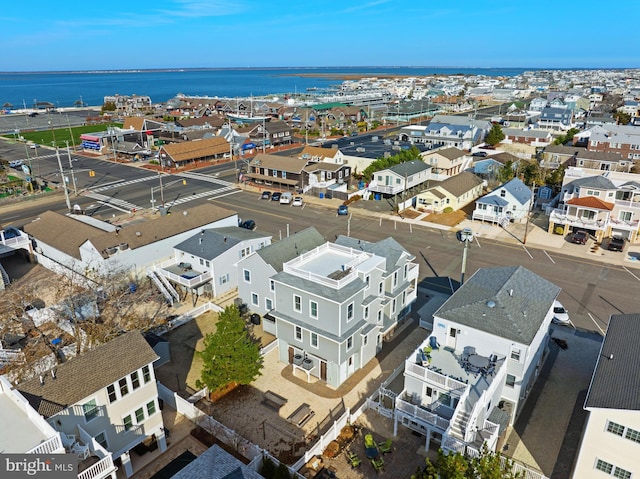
40,35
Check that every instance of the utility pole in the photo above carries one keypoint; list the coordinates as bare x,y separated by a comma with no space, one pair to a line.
526,224
73,178
64,181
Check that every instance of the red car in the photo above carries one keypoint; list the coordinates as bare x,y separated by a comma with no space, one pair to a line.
580,237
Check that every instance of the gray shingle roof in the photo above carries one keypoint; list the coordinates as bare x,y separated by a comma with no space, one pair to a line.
216,463
410,167
521,299
461,183
598,182
616,380
211,243
278,253
85,374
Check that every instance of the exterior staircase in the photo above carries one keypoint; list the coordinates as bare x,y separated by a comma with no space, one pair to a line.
459,425
155,277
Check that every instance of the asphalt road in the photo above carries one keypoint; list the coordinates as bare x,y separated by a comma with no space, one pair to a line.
591,290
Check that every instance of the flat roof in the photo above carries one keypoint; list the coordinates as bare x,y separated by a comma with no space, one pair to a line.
25,435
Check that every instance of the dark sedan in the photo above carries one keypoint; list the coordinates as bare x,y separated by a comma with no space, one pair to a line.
276,196
580,237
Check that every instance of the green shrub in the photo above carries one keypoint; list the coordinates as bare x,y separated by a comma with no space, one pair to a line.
154,162
559,230
448,209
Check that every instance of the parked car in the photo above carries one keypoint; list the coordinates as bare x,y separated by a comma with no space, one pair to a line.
15,163
616,243
34,146
560,314
465,235
579,237
276,196
248,225
479,153
265,195
297,201
285,198
343,210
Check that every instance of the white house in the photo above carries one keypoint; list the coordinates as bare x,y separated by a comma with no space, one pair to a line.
611,438
469,380
509,202
104,401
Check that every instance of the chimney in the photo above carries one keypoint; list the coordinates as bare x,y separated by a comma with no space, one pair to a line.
225,239
611,356
511,292
53,373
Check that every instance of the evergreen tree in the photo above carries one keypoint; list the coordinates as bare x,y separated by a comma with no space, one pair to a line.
505,172
230,355
494,136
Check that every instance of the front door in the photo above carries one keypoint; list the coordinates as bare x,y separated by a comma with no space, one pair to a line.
451,338
350,366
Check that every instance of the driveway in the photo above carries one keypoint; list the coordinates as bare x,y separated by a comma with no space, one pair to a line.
547,433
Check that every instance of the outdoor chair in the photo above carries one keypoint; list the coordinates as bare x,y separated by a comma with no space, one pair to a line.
368,441
385,447
377,463
354,460
82,451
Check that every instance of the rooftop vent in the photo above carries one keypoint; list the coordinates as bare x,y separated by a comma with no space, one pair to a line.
491,304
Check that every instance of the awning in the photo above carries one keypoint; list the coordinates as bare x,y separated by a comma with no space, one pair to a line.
272,179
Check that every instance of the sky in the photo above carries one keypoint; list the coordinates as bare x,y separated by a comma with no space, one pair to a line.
42,35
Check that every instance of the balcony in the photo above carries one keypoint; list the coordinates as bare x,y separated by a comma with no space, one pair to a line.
559,216
183,273
422,414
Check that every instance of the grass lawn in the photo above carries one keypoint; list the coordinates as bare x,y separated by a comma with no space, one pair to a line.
62,135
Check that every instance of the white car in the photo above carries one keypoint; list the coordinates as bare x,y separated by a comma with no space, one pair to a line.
285,198
560,314
297,201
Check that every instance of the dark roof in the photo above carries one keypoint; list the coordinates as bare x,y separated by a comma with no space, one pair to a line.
85,374
410,167
509,302
216,463
278,253
596,181
616,380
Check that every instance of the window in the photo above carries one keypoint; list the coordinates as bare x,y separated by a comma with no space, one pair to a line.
632,435
349,342
298,333
615,428
268,304
135,380
314,340
90,410
111,392
515,354
284,174
404,274
128,423
428,391
395,279
366,281
393,306
366,312
313,309
254,299
365,340
350,312
275,173
272,285
625,216
139,415
245,252
297,303
101,439
379,315
146,374
124,388
151,408
247,276
511,380
224,279
604,466
380,287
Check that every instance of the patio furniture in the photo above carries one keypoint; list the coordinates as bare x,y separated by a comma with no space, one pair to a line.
301,416
378,464
478,362
368,441
273,400
81,451
354,460
385,447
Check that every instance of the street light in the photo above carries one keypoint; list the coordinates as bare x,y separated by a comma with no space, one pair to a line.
161,187
464,236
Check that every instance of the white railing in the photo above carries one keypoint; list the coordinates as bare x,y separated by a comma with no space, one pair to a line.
185,318
100,469
413,271
169,287
628,204
268,348
427,374
189,282
419,413
160,285
53,445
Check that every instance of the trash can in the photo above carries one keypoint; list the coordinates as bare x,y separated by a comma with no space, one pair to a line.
321,195
377,197
255,319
